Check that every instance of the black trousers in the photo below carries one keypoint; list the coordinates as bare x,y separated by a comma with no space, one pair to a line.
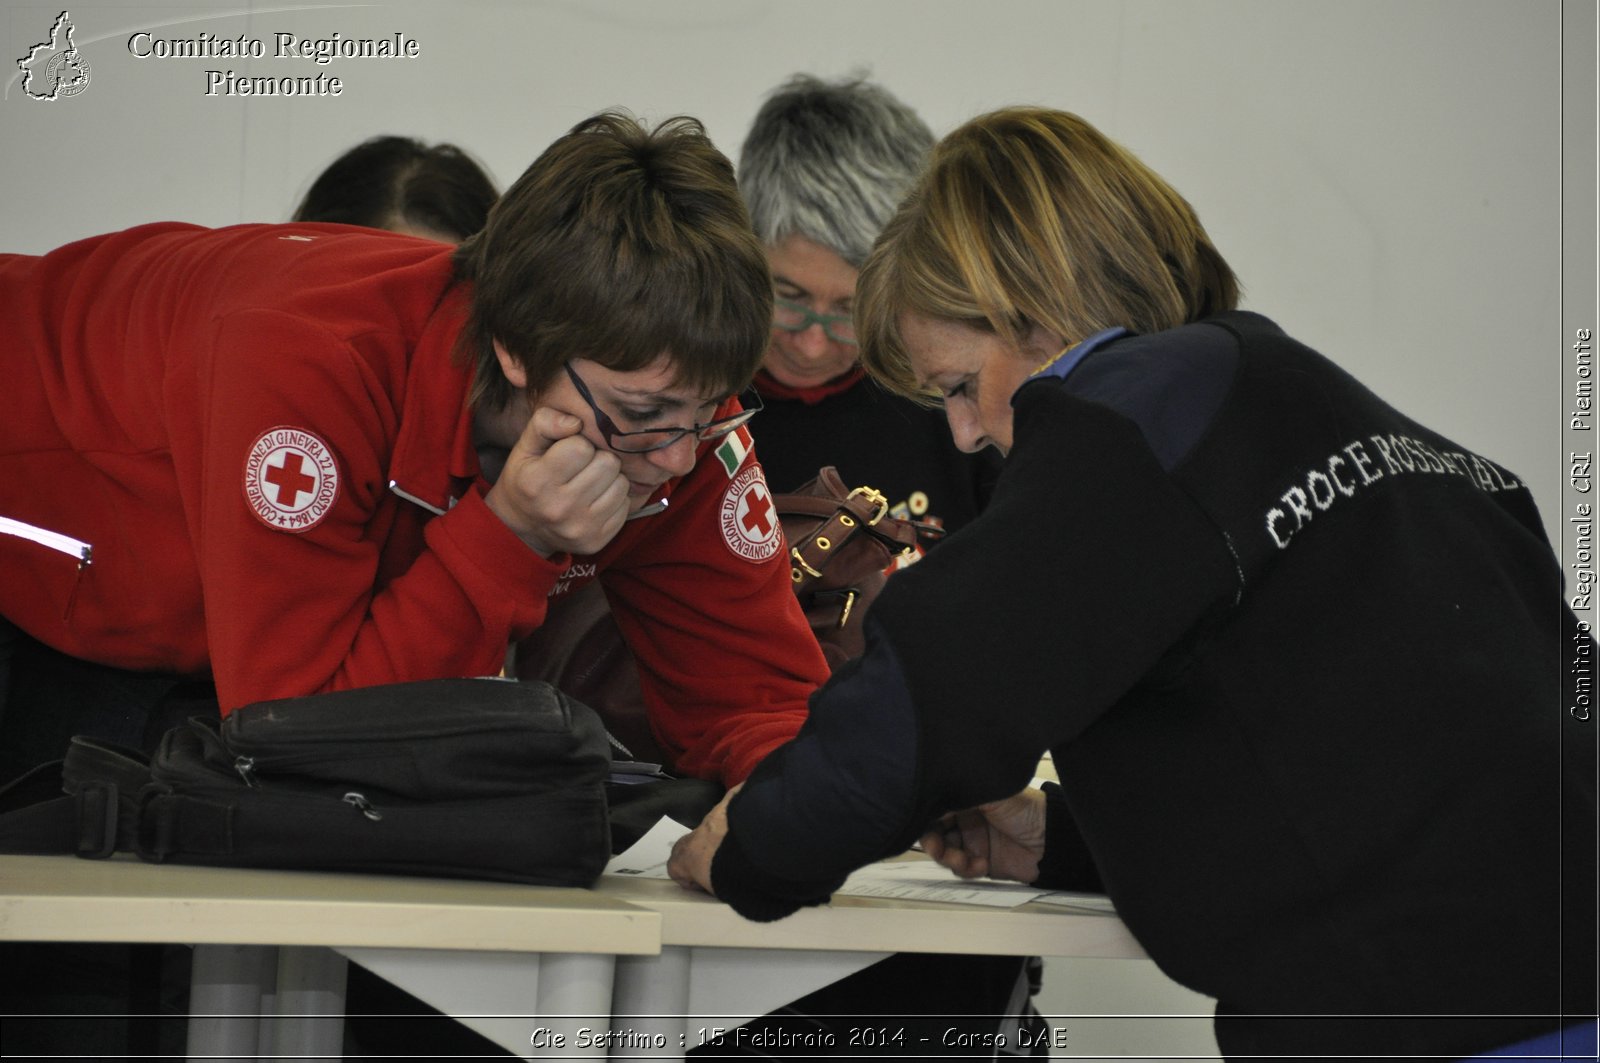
85,1001
46,697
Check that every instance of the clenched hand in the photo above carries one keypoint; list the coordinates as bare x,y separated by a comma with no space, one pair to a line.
559,492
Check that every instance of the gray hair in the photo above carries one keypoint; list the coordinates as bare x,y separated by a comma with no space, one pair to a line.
830,162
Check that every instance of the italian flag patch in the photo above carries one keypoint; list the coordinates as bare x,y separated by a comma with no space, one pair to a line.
733,450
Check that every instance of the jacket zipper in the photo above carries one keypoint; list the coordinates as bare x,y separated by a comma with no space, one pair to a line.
394,485
65,544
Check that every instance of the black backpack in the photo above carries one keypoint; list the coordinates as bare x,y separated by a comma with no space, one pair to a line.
468,778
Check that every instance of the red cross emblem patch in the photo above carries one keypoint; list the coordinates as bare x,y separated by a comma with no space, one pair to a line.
749,519
290,479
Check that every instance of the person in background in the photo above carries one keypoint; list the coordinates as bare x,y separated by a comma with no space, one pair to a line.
822,169
403,185
1301,661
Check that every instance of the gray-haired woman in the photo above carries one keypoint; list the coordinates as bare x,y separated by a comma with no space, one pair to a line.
822,170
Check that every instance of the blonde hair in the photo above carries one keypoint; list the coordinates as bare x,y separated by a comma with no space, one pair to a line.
1032,217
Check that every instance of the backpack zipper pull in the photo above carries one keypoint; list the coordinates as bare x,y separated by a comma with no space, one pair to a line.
360,801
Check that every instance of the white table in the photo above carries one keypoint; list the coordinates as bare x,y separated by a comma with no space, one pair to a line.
632,967
716,969
265,981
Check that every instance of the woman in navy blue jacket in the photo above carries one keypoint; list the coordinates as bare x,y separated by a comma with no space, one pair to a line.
1299,660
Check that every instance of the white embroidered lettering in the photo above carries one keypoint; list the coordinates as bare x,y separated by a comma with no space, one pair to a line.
1321,489
1363,463
1335,463
1295,498
1318,488
1276,516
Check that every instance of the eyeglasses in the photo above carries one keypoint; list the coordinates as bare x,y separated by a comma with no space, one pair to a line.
657,438
797,317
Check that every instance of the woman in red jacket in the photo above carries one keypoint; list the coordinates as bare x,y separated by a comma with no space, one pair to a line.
294,458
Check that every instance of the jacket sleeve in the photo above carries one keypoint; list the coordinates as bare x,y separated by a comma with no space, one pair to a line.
839,796
1066,864
300,610
1011,638
726,658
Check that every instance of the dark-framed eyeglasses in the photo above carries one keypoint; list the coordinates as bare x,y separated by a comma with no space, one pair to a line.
642,442
797,317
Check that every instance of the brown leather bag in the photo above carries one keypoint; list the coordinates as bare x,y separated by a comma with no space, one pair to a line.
842,546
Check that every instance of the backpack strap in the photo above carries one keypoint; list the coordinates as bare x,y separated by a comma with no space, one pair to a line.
37,815
85,803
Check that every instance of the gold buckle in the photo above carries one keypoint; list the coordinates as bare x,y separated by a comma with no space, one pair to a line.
800,563
874,498
849,600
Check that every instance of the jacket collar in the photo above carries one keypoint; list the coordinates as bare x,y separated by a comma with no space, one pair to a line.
771,388
434,461
1064,363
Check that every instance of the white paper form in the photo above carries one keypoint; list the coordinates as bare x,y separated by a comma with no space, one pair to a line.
910,880
1081,902
647,857
924,880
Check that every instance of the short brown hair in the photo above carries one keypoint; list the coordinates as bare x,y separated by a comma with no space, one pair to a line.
1026,217
617,245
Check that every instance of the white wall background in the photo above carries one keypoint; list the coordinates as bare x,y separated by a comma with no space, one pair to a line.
1383,174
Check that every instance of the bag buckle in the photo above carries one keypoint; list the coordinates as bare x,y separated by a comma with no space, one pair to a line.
96,802
849,603
800,569
153,827
874,498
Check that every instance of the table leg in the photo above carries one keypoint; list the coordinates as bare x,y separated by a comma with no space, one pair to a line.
650,1006
225,994
534,1005
574,1001
307,1021
687,995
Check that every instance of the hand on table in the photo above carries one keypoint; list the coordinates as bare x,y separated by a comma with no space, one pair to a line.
558,491
690,863
1002,839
